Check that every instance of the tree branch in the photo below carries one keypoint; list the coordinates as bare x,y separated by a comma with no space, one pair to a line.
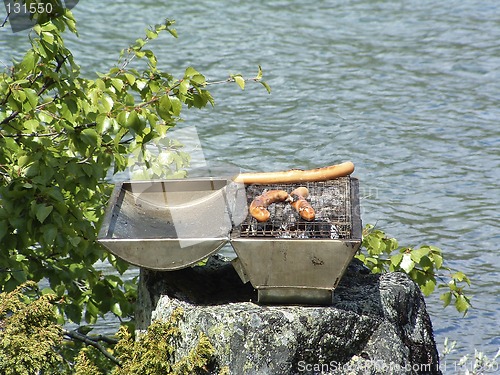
34,135
5,20
93,342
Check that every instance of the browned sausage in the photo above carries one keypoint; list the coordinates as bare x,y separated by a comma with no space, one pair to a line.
297,175
301,191
258,207
301,205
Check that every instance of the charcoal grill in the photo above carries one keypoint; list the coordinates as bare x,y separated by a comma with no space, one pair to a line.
173,224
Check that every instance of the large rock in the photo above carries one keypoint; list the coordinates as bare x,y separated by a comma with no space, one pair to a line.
378,324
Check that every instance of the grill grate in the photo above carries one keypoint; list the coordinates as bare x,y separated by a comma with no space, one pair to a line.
330,199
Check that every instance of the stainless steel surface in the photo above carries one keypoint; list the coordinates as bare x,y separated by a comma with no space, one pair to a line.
173,224
295,295
301,264
170,224
289,260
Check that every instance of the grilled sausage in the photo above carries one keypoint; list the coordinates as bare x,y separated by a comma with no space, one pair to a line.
301,205
301,191
297,175
258,207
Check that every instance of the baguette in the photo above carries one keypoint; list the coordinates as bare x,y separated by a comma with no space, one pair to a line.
297,175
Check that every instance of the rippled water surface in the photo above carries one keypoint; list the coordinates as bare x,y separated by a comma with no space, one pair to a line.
407,90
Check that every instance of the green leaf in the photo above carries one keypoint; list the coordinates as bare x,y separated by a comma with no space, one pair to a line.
31,125
49,234
106,103
267,87
151,34
91,312
460,276
75,241
184,87
361,257
176,105
116,309
24,161
42,211
396,259
190,72
417,254
429,286
407,264
446,298
462,304
89,136
114,281
391,244
140,54
117,84
46,291
373,244
130,78
73,312
84,329
48,37
151,57
101,291
139,43
149,136
29,60
259,74
19,275
452,284
32,97
435,249
426,263
240,81
438,260
134,122
122,118
3,229
163,108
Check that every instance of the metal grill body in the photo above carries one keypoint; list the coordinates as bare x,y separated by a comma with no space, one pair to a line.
290,260
173,224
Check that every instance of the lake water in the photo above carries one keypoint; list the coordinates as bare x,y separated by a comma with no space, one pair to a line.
407,90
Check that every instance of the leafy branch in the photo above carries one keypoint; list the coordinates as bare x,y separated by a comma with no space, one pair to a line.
241,81
423,264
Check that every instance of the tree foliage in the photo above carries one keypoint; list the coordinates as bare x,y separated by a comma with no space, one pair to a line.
156,351
32,342
29,334
61,136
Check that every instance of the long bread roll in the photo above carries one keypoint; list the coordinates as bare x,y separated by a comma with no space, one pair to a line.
297,175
